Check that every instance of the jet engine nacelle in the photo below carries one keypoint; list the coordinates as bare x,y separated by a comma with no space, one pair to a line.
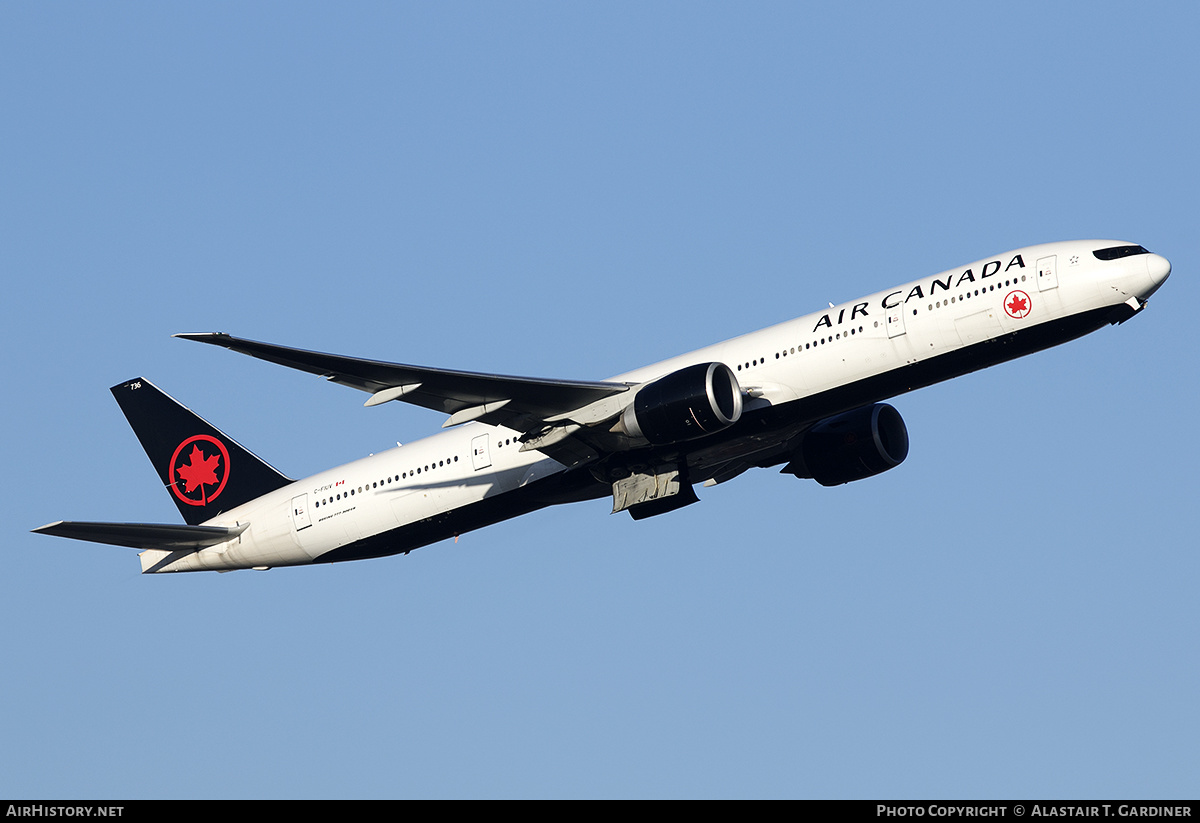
852,446
690,403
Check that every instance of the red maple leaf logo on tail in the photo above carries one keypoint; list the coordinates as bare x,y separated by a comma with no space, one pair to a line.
200,471
197,471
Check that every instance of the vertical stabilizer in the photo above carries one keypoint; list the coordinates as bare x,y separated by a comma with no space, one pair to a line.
205,471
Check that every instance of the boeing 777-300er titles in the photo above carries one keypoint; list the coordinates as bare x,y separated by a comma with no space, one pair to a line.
805,395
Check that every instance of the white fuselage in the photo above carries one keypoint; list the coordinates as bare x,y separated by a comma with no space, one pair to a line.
873,336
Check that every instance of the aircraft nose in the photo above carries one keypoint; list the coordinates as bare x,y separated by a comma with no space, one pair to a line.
1159,268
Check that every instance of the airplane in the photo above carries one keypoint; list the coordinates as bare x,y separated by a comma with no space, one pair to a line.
805,395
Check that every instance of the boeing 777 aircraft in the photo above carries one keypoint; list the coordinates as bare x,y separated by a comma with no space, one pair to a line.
804,395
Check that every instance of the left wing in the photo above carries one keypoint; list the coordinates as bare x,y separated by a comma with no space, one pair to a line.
530,405
166,536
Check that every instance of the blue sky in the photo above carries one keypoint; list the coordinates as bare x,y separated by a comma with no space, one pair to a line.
572,190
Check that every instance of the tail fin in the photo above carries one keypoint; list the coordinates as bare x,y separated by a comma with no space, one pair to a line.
206,471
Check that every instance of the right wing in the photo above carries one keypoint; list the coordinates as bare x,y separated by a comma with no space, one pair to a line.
521,403
552,415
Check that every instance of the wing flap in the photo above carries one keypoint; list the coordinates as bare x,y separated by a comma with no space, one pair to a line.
165,536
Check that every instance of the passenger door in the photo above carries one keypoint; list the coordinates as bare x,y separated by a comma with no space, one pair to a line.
1047,273
300,517
481,457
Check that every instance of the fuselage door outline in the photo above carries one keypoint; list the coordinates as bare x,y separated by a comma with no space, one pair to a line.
1047,273
895,320
481,457
300,518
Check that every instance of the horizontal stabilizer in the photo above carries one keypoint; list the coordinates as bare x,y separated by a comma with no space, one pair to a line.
165,536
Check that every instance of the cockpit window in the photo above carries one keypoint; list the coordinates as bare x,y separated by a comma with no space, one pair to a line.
1117,252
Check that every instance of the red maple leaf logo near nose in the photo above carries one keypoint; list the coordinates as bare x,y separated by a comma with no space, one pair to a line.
1017,304
198,475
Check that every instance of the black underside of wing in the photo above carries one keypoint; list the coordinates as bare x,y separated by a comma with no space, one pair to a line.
166,536
442,390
